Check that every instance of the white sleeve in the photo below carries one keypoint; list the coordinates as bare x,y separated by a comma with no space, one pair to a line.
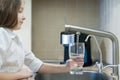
32,62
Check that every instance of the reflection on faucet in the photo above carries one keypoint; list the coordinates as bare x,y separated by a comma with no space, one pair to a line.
99,65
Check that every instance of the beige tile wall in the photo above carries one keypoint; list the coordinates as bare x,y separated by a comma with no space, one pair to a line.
48,19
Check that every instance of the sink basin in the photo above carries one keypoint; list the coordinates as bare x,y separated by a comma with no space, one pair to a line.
87,75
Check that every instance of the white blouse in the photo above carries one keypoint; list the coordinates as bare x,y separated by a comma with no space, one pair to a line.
13,56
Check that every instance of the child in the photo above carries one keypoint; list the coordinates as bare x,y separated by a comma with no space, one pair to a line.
16,62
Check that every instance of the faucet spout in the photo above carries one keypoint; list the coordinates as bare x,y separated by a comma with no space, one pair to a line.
99,65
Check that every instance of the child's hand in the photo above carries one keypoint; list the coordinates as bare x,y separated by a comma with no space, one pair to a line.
25,73
75,61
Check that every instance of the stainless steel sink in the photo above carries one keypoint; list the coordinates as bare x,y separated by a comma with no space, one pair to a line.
87,75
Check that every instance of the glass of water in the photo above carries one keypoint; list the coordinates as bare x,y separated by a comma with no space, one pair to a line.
76,50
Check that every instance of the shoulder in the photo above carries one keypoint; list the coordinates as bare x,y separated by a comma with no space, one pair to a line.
2,30
4,38
3,33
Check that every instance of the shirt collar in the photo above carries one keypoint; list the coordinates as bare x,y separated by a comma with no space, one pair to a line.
11,33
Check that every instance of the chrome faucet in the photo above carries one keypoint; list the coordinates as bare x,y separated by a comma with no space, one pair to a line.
100,64
112,37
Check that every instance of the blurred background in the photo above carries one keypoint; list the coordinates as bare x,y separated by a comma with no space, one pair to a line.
45,20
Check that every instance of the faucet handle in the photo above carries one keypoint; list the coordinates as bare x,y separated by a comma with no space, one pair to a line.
99,65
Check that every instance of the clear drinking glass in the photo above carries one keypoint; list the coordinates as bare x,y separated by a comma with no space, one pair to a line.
76,50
